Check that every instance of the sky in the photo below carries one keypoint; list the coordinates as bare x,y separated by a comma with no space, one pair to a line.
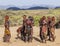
30,2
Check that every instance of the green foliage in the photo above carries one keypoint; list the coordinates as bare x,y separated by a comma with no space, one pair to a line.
36,20
16,16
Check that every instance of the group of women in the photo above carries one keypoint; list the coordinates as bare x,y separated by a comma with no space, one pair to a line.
47,29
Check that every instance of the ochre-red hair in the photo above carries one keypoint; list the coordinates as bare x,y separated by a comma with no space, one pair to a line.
43,17
6,17
53,18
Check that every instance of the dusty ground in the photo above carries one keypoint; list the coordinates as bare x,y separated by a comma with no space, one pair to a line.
19,42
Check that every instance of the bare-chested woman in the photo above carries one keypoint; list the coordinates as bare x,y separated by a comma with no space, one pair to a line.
7,34
52,29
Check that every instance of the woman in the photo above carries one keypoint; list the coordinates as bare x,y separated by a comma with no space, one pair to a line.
23,34
40,25
29,30
7,34
44,30
48,26
52,29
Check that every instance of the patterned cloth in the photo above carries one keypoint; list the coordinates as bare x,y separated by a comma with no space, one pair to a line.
7,32
7,35
44,29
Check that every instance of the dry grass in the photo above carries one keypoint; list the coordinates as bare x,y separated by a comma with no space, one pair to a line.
19,42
